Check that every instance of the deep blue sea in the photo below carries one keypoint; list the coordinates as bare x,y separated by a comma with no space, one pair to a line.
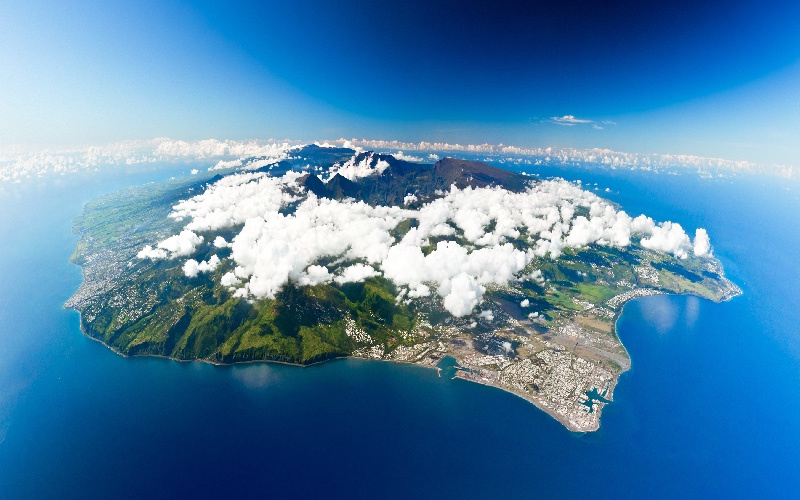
710,409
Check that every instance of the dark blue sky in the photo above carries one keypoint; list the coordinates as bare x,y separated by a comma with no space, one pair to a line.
494,60
713,78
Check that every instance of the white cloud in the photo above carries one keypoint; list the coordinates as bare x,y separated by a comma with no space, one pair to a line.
569,120
234,199
182,244
354,169
192,268
404,157
179,245
525,303
462,294
148,252
229,280
18,163
356,272
314,275
702,244
274,248
220,242
223,164
449,266
666,237
486,314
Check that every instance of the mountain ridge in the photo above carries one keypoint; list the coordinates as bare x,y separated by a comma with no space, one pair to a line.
401,178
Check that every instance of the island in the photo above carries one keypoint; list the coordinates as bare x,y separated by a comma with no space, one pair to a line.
320,253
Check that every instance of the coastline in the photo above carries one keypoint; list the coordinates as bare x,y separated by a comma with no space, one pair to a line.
555,415
597,409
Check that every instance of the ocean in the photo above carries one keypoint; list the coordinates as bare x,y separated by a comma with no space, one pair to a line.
709,408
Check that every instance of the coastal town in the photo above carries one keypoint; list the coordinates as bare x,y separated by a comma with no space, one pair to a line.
567,367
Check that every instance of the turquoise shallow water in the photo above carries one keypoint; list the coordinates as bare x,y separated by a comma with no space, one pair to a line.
709,408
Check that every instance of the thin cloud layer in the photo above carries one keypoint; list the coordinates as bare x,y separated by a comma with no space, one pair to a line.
569,120
324,240
20,163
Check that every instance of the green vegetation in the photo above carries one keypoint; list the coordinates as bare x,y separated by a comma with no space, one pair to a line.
596,294
195,319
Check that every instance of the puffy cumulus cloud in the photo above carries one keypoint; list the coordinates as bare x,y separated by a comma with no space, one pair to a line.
409,199
486,314
670,237
402,156
314,275
354,168
665,236
448,267
179,245
461,294
544,214
234,199
356,272
274,248
229,280
148,252
702,244
350,145
356,241
182,244
192,268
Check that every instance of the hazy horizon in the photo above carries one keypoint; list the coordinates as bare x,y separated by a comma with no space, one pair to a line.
714,80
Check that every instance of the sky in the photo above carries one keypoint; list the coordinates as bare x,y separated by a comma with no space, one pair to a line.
711,78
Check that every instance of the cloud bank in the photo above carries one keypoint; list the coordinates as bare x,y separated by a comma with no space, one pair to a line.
18,163
458,244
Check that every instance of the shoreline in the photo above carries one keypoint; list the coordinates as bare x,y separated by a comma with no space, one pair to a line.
555,415
529,399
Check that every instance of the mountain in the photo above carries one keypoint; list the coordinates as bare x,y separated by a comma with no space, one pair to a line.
401,178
